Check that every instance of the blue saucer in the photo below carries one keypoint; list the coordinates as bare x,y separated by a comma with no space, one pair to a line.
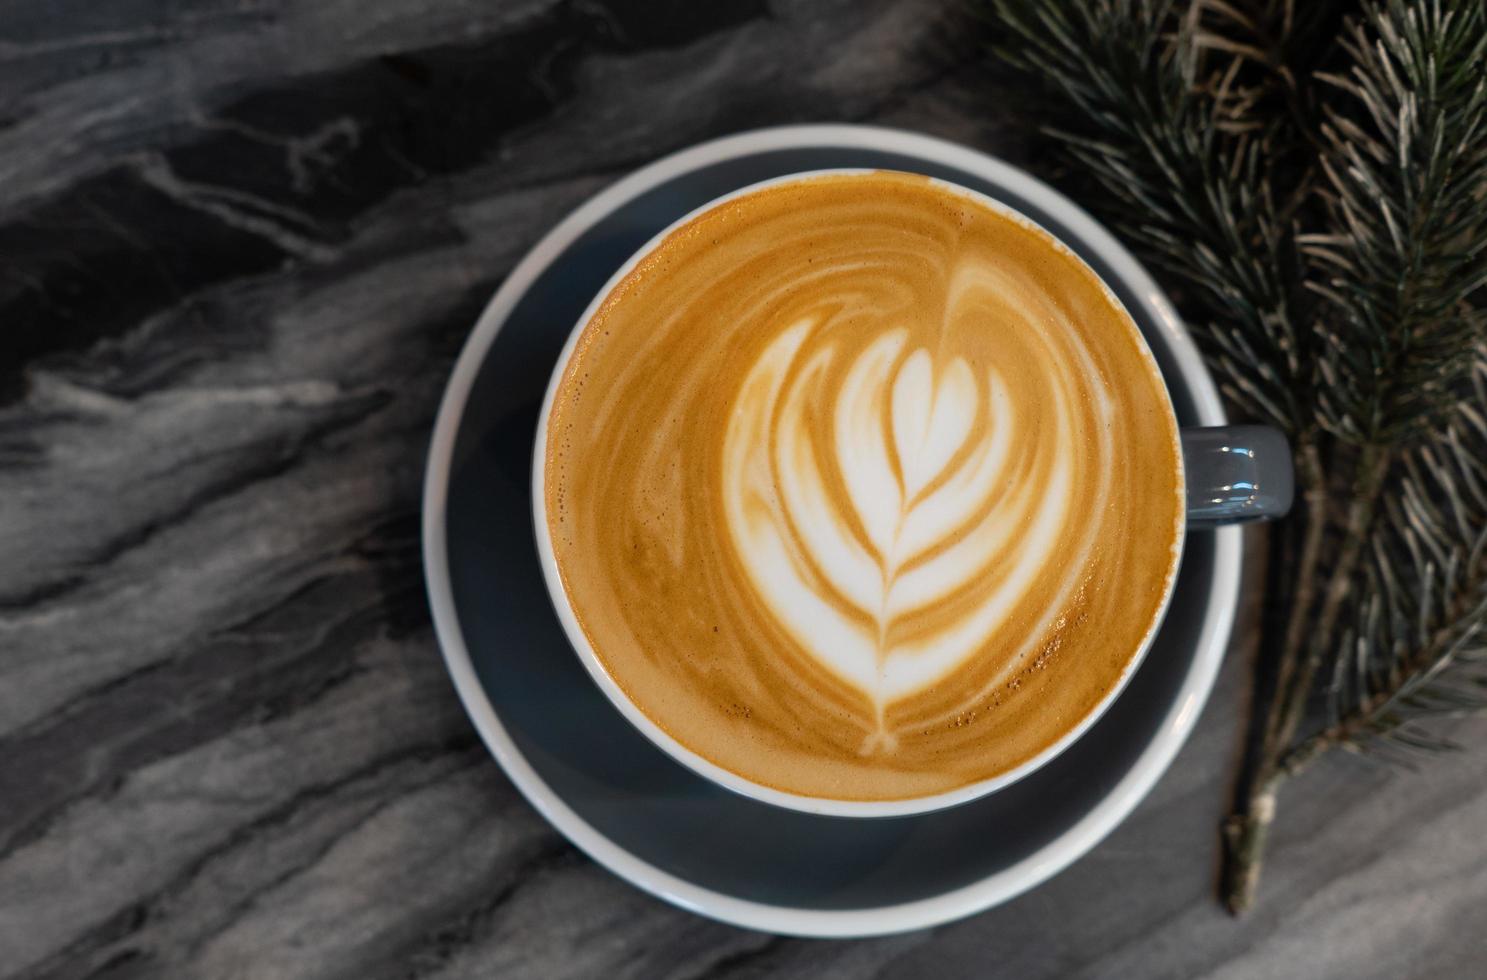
604,784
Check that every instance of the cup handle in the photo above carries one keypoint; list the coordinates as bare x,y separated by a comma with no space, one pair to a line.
1236,473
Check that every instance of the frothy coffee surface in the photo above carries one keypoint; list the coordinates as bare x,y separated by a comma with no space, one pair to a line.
861,489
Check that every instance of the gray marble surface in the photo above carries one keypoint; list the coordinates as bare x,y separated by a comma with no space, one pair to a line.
241,242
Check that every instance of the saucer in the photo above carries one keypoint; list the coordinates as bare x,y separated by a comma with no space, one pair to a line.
601,782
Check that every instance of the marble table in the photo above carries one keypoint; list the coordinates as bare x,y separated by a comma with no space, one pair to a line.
241,242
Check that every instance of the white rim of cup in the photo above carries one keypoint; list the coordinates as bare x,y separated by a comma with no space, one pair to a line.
594,664
1220,604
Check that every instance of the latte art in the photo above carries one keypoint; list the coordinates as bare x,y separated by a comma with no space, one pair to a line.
947,517
861,489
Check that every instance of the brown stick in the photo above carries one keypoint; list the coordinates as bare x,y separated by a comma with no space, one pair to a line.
1245,833
1373,466
1314,480
1246,829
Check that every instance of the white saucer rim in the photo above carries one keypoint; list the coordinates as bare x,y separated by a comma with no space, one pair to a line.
1007,883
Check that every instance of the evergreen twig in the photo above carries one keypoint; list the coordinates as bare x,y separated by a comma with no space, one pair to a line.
1311,179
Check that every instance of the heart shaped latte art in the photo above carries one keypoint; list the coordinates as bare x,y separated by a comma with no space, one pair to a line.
893,510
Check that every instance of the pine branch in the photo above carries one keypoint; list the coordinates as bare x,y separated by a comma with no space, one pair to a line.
1216,132
1403,257
1407,250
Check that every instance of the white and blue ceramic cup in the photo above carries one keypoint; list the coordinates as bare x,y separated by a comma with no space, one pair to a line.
1232,474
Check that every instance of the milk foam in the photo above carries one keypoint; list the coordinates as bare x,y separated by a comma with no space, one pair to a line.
928,509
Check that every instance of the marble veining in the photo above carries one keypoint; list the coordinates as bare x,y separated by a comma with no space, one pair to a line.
241,242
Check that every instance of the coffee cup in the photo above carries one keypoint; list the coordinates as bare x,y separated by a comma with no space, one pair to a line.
805,638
